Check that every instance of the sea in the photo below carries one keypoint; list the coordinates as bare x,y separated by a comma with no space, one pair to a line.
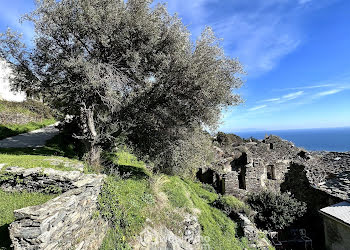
319,139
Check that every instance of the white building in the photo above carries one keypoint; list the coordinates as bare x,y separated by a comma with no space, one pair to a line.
5,89
336,219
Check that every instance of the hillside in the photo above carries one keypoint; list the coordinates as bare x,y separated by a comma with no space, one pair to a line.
22,117
138,204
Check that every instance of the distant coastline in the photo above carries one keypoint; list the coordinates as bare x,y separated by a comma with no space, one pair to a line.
317,139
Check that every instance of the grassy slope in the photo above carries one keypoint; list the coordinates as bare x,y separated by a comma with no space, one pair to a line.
35,110
12,201
33,161
8,130
164,200
56,150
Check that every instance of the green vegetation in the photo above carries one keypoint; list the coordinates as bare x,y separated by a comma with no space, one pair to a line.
230,204
123,203
274,210
7,130
150,83
30,108
33,161
39,114
59,145
129,164
127,202
217,228
12,201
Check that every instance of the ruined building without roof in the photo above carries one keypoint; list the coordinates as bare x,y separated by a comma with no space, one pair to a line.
320,179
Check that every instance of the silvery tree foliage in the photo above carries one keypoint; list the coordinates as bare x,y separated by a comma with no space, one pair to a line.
124,68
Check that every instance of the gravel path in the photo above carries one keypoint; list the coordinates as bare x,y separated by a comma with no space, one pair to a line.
33,139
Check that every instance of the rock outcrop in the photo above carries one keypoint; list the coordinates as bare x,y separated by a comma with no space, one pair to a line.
159,237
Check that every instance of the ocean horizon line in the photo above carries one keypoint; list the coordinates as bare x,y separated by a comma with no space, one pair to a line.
288,129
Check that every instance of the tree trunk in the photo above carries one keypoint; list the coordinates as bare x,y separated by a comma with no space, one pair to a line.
94,156
93,149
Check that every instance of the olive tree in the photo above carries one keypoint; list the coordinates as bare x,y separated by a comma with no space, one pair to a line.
123,68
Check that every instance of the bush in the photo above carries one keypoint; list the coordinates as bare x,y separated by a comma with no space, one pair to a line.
274,210
184,157
230,204
227,140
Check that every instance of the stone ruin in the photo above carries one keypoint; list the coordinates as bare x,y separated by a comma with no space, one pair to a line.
265,164
319,179
69,221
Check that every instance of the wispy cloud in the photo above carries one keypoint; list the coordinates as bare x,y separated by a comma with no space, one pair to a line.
307,87
259,33
293,95
284,98
271,100
260,37
257,107
328,92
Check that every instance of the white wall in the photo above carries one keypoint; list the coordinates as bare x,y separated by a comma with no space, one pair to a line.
5,90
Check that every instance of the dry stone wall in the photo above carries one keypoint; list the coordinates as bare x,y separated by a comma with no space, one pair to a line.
70,221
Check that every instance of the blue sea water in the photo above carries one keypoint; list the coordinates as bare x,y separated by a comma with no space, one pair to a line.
324,139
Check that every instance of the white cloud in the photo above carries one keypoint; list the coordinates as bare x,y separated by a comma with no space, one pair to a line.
293,95
259,33
257,107
271,100
307,87
328,92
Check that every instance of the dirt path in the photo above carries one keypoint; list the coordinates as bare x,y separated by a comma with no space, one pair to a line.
33,139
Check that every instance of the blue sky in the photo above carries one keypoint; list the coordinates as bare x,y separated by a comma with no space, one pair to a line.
295,52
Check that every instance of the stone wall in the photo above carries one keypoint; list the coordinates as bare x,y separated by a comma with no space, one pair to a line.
17,118
337,235
253,234
70,221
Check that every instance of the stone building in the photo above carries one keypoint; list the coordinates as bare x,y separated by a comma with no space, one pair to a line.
336,219
320,179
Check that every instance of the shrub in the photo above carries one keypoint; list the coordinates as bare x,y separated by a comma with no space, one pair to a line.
227,140
230,204
275,210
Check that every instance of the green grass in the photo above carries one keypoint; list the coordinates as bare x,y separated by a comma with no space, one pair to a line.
164,200
59,145
128,164
218,230
33,161
124,202
12,201
8,130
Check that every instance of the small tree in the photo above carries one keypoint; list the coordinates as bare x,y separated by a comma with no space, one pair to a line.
123,69
274,210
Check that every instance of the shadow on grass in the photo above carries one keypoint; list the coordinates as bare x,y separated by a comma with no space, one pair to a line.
7,132
5,241
127,171
59,145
